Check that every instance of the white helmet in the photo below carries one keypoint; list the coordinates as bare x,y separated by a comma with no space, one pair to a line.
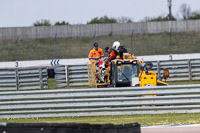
116,45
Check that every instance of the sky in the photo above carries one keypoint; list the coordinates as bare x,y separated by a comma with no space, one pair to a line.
19,13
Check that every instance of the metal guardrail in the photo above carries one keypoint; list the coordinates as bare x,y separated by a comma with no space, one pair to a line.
8,79
100,101
72,75
180,70
23,78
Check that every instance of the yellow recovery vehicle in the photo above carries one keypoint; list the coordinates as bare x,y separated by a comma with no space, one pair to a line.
125,70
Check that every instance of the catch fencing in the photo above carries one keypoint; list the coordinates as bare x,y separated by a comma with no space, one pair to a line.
23,78
100,101
97,29
179,70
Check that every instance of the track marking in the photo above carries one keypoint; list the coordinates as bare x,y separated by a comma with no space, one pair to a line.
192,125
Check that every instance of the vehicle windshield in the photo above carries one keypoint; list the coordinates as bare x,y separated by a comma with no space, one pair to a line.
126,71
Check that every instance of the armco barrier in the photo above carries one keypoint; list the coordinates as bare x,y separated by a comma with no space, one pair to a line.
68,128
72,75
8,80
100,101
23,78
180,70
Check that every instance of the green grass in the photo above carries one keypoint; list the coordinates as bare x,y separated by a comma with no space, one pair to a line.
184,82
163,119
52,84
79,47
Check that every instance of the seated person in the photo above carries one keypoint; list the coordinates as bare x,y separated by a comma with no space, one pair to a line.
111,54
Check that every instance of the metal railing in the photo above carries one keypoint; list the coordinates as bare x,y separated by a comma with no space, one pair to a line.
180,70
100,101
23,78
71,75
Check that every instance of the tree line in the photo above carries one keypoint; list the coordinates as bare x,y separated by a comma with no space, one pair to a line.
102,20
185,13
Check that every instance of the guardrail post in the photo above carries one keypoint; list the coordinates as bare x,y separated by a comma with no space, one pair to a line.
17,78
158,70
67,75
41,78
189,69
46,72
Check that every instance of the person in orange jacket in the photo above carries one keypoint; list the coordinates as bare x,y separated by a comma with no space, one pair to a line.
111,53
95,54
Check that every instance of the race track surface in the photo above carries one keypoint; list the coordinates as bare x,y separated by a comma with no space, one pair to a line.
172,129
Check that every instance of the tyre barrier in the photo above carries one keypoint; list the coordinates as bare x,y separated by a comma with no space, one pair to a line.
68,128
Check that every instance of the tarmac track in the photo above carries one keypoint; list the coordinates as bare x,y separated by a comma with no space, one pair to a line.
172,129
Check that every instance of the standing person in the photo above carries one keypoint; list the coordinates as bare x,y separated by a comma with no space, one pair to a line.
96,53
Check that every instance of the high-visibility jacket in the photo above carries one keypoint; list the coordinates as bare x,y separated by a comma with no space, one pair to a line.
95,55
112,55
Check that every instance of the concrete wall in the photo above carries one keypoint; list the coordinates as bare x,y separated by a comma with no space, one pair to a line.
97,29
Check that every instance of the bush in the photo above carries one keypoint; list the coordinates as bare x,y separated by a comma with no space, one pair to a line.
42,22
102,20
61,23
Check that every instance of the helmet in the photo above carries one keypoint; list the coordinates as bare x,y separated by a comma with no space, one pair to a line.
106,49
116,45
95,44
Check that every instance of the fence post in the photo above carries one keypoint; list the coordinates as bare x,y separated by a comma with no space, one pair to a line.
55,56
170,44
158,70
17,78
132,41
41,78
67,75
189,70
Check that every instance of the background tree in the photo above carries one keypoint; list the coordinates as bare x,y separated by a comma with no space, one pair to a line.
194,15
102,20
42,22
61,23
159,18
185,11
124,20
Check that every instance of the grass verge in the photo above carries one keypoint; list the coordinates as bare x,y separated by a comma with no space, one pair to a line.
52,83
183,82
144,120
79,47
